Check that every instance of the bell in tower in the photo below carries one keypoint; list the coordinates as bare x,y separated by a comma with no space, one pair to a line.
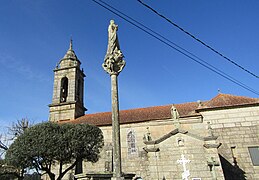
68,97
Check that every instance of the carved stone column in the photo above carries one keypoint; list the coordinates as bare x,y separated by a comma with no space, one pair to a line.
113,65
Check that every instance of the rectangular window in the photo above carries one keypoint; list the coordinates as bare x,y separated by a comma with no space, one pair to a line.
79,167
254,154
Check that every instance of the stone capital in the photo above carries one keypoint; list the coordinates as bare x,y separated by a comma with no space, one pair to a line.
113,64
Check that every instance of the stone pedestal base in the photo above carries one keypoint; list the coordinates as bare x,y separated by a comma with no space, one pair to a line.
103,176
117,178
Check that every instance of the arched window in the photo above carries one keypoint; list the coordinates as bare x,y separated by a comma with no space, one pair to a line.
131,140
64,89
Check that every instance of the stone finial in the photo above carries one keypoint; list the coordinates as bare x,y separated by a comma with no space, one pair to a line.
70,54
175,116
210,130
147,136
174,113
199,104
71,44
57,66
113,61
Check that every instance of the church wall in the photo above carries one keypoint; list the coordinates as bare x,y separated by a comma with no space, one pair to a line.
238,129
236,117
165,161
161,164
139,162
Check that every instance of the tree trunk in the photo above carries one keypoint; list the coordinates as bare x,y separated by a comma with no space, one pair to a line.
51,176
66,170
21,176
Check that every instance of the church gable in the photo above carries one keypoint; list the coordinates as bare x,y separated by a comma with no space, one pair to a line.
181,132
168,154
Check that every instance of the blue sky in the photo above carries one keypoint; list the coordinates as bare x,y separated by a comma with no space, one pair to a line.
34,36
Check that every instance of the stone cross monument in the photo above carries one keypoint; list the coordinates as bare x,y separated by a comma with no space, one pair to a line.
186,172
113,65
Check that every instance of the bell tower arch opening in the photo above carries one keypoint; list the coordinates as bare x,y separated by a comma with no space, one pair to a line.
64,89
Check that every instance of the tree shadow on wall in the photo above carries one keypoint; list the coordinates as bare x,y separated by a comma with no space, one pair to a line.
231,172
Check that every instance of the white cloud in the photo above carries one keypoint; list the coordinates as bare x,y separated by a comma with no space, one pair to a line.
19,67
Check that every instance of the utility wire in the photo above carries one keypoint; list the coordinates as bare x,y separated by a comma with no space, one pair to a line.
197,39
172,45
169,41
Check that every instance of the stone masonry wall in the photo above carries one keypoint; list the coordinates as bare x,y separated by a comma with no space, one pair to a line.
161,164
237,129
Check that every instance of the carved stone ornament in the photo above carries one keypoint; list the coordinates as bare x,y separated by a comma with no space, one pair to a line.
174,113
113,61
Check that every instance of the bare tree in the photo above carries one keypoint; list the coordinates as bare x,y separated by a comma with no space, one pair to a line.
16,130
19,127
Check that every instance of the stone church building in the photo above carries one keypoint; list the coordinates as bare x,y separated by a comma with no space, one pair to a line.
204,140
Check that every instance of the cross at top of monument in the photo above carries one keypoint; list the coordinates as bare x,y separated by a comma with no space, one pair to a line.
113,61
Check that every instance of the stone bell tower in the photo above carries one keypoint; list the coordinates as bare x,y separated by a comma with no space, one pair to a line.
68,91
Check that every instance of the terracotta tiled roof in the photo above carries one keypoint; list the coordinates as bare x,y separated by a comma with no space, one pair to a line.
187,109
225,100
127,116
164,112
137,115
